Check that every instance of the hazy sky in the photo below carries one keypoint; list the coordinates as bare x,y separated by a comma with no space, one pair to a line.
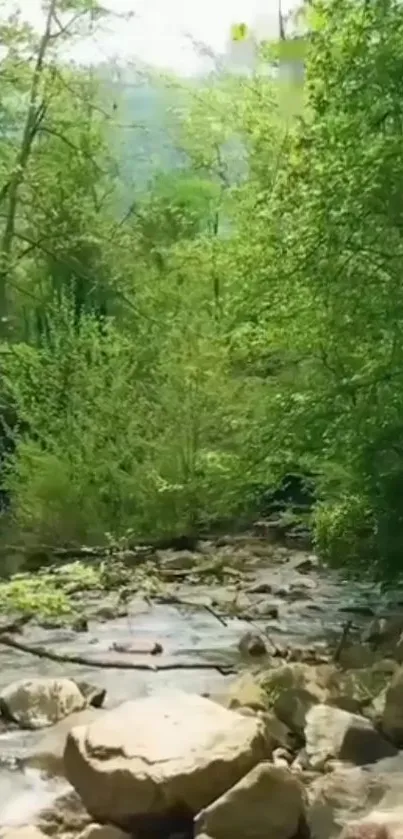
157,31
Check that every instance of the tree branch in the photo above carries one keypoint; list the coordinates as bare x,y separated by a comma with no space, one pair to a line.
109,663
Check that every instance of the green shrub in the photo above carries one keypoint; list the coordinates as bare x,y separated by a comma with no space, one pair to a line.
344,533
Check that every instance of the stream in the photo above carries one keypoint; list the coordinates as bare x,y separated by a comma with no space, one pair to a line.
311,607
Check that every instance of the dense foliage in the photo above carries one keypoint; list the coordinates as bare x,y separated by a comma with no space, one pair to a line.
163,362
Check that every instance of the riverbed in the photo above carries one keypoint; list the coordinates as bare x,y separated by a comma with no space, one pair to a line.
312,606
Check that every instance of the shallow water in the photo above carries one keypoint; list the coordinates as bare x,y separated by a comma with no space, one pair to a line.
191,634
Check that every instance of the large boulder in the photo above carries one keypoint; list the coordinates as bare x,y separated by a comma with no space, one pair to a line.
168,754
268,802
332,733
38,703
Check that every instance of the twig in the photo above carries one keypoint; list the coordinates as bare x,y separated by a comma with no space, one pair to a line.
174,600
343,640
215,615
110,663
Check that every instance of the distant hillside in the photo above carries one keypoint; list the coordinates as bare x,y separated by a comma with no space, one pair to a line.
140,138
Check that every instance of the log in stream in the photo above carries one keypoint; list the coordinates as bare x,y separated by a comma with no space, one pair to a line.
111,663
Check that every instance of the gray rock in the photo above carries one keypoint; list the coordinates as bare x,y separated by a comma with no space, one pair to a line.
333,733
268,802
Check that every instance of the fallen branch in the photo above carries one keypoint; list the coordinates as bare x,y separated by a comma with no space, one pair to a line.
111,663
215,615
343,641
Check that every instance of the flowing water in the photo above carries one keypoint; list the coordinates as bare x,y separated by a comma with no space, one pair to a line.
311,606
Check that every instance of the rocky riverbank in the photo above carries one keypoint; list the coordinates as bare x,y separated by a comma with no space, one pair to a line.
293,750
261,679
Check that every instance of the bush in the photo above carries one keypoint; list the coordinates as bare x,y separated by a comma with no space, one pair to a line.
344,533
112,444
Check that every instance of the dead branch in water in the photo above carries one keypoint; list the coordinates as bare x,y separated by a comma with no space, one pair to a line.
110,663
343,640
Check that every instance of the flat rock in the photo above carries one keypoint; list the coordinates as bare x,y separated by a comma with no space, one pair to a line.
162,754
38,703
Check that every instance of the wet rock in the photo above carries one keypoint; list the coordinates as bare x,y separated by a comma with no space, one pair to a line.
38,703
230,600
296,591
260,588
271,529
299,538
265,610
246,692
281,590
268,802
303,564
397,650
384,631
252,644
392,714
80,624
292,706
105,612
358,609
66,817
103,831
147,755
93,695
177,560
333,733
50,623
47,755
